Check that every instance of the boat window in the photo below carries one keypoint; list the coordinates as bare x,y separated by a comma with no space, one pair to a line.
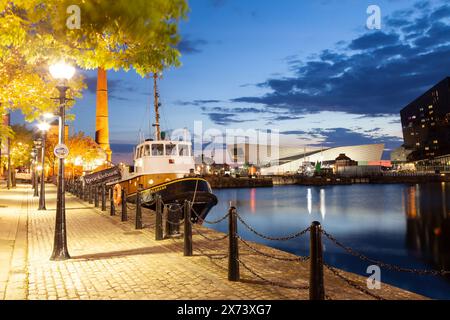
171,149
147,150
140,152
183,150
157,149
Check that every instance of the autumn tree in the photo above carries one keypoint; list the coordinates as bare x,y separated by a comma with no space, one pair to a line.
83,150
120,34
21,144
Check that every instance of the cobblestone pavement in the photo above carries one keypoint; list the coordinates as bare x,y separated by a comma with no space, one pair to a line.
112,260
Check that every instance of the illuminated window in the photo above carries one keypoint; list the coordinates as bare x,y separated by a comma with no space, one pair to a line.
183,150
417,143
430,107
171,149
435,142
427,148
433,123
157,149
147,150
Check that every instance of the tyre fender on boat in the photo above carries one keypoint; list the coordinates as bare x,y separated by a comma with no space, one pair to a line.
117,194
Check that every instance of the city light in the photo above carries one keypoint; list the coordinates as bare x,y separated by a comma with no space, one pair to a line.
43,126
48,115
62,70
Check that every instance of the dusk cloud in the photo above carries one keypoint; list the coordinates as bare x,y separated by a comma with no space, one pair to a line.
191,46
379,72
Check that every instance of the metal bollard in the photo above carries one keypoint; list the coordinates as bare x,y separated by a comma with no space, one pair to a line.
85,192
111,203
159,219
187,229
124,205
138,211
233,255
90,200
103,197
95,196
316,285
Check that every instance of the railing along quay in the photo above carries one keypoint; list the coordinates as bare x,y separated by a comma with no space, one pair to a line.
169,218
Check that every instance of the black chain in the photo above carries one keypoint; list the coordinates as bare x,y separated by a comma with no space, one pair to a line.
170,205
383,264
210,256
210,222
208,238
352,283
292,236
175,223
276,284
298,259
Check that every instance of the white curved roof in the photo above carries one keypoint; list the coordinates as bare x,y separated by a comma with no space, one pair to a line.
369,152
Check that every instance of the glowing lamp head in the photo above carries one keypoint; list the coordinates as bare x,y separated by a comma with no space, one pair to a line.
62,71
43,126
48,115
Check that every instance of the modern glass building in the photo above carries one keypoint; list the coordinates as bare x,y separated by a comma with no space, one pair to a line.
426,126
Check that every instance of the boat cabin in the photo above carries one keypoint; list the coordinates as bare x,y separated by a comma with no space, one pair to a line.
152,157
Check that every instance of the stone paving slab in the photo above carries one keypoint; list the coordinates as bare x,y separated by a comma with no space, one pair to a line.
112,260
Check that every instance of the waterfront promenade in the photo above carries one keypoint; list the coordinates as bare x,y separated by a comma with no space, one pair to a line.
112,260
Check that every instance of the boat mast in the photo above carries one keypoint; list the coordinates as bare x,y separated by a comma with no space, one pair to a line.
156,96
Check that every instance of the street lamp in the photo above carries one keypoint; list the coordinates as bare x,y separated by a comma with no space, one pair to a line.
43,127
37,147
63,72
33,168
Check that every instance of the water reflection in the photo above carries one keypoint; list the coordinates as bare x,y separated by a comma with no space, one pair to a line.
405,225
309,200
253,200
428,223
322,204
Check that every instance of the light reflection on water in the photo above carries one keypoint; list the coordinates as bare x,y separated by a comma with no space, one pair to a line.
407,225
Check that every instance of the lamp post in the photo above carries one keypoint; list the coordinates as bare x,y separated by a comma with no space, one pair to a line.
43,127
61,71
37,147
32,167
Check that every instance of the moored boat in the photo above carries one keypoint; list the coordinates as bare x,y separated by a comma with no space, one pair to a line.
167,168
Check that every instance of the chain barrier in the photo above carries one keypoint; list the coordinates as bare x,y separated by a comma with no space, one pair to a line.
352,283
208,238
210,256
210,222
292,236
179,223
170,205
383,264
298,259
272,283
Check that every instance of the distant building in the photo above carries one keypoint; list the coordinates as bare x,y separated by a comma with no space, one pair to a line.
400,155
363,155
343,161
426,123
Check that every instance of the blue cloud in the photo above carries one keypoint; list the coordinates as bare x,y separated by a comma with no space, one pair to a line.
377,73
191,46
